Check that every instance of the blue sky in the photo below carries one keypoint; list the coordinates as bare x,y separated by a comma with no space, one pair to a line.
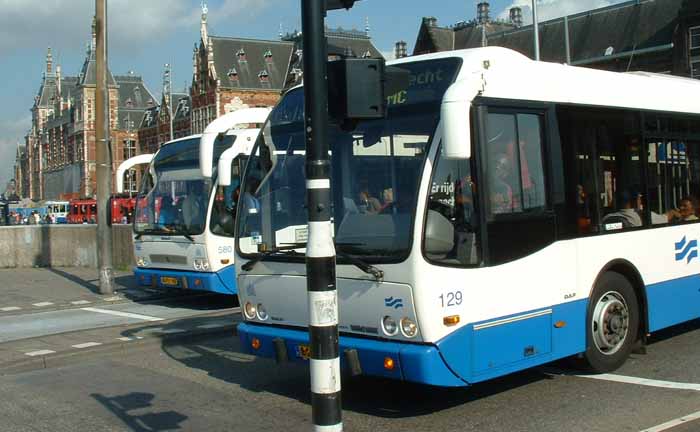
144,35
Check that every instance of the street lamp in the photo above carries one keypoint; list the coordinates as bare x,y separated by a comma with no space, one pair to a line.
536,27
168,92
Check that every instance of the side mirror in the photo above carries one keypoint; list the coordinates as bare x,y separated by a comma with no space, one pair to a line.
439,234
456,128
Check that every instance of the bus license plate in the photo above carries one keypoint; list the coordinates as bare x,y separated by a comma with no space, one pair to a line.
304,351
168,281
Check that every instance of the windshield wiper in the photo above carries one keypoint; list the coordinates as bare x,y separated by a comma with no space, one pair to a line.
285,250
166,232
177,230
365,267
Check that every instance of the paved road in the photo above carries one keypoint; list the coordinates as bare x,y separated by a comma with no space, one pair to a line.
17,327
208,384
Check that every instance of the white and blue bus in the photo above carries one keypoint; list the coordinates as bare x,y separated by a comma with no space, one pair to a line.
184,222
58,211
504,214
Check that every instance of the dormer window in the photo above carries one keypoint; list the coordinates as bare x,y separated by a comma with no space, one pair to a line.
264,77
129,103
367,54
241,55
232,75
268,56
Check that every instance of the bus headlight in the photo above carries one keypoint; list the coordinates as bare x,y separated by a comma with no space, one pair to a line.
262,313
408,327
389,326
201,264
249,310
141,262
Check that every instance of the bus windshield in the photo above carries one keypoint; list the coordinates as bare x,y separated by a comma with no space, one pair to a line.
174,197
376,169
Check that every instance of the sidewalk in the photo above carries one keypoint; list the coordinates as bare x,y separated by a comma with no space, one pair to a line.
40,289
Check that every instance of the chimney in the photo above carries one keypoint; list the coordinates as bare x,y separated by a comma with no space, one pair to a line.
482,13
516,16
430,21
400,50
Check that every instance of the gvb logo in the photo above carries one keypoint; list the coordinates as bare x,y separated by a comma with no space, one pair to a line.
393,302
686,250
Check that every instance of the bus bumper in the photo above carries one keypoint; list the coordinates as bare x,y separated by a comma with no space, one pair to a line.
412,362
222,282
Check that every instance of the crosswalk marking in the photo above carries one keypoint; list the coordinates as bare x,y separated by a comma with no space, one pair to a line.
39,353
122,314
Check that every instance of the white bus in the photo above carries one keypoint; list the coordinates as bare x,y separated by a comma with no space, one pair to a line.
506,213
58,211
184,221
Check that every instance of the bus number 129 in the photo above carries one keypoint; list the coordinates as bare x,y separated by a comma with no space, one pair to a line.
452,299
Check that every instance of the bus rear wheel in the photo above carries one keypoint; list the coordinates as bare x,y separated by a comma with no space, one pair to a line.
612,324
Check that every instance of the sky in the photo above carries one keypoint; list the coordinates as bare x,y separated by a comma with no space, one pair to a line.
144,35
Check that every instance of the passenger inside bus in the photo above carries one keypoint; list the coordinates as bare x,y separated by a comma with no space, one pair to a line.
687,209
501,196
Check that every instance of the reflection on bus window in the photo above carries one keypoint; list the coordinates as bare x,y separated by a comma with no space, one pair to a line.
453,196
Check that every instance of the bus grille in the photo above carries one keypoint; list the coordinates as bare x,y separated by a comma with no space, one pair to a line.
169,259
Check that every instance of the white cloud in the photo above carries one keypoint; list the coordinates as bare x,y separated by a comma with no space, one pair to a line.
66,23
549,9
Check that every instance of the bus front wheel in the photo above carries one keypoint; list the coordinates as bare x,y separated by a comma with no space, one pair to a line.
612,323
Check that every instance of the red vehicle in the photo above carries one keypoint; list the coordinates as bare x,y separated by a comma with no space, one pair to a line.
85,210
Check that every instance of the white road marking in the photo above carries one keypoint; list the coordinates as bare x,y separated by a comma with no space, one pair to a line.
210,326
10,309
80,302
123,314
111,299
129,339
39,353
42,304
644,382
86,345
673,423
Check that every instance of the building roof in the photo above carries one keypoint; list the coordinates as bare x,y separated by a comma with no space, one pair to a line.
134,99
150,117
623,28
612,31
88,73
183,105
251,64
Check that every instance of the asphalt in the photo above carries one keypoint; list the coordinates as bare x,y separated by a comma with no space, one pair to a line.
48,315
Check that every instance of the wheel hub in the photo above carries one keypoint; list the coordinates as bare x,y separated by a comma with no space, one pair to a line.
610,323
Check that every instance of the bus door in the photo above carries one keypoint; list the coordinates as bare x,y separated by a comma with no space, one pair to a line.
519,217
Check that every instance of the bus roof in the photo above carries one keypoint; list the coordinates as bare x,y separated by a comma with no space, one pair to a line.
507,74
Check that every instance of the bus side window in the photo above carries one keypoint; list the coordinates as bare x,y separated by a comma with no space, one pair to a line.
452,195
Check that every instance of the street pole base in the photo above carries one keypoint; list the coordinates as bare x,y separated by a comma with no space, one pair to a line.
106,280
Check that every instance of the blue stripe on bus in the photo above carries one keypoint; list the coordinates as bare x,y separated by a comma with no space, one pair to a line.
222,282
511,343
673,302
413,362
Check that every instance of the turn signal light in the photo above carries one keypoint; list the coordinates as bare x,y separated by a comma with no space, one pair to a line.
451,320
197,282
559,324
255,343
388,363
225,261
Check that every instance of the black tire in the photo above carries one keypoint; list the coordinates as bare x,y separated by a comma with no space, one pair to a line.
612,323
